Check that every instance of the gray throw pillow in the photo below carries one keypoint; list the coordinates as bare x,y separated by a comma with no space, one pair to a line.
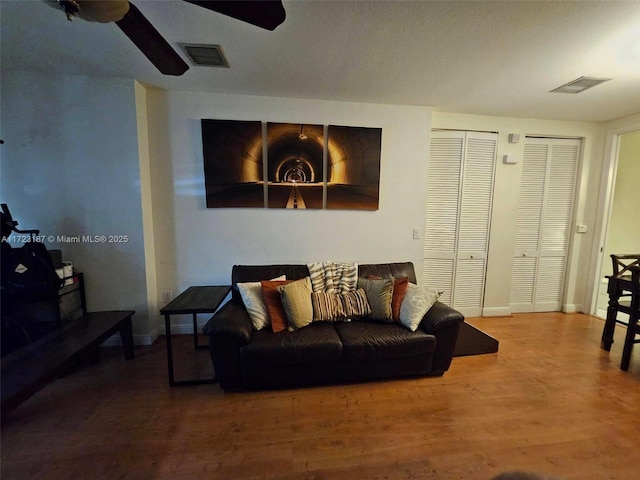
379,295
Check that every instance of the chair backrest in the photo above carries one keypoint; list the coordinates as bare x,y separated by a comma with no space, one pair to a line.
623,263
635,289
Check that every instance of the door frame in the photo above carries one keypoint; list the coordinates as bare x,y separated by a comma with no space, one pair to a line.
605,206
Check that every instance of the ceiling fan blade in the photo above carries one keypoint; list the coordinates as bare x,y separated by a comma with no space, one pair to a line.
267,14
151,43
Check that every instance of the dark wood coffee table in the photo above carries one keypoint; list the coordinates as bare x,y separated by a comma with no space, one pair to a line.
194,300
26,371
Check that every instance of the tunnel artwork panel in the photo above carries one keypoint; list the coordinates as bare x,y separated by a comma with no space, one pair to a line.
295,155
233,164
353,177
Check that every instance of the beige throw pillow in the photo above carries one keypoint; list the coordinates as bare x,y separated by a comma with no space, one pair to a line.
296,303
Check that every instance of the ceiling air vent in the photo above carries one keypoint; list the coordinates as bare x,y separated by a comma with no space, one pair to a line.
205,55
580,85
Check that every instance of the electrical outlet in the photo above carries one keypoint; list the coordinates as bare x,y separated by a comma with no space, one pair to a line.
167,296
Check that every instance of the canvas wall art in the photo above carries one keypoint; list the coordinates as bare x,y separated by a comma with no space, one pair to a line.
353,178
295,165
233,169
303,168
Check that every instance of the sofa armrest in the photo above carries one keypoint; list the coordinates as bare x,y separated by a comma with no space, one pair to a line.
443,322
232,320
440,316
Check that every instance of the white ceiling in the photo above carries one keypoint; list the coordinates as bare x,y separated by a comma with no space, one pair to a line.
483,57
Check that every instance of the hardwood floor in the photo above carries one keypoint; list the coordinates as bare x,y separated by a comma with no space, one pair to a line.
550,400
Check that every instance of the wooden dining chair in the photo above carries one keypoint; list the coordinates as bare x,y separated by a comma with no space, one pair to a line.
622,264
619,296
633,329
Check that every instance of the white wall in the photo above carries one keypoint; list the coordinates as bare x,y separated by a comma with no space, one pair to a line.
507,185
158,193
623,235
69,166
624,224
598,261
208,242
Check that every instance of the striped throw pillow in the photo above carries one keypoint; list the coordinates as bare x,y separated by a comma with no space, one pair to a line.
355,304
327,307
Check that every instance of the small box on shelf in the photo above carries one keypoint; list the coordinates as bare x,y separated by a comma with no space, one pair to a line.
71,298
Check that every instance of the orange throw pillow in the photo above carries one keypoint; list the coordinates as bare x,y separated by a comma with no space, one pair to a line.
271,296
399,291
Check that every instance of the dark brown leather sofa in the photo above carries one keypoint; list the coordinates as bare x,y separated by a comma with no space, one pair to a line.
325,353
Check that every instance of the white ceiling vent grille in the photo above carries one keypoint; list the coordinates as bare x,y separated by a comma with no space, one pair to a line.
580,85
205,55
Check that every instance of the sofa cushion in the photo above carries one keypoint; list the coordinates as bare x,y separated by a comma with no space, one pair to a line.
374,341
387,270
257,273
317,343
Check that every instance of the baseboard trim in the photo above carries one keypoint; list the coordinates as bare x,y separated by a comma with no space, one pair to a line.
115,341
142,339
184,329
496,312
181,328
573,308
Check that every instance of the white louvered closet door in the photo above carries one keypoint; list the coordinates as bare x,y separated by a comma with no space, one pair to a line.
544,221
458,214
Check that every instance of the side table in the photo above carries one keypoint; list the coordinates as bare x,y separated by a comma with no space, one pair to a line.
194,300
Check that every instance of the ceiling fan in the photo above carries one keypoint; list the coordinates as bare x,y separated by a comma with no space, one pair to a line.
267,14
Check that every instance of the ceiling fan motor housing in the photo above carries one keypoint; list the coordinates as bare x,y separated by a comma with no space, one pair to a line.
103,11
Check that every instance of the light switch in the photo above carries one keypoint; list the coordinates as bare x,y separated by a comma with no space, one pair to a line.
509,159
416,234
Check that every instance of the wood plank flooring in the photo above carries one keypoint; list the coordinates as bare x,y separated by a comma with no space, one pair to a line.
550,401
